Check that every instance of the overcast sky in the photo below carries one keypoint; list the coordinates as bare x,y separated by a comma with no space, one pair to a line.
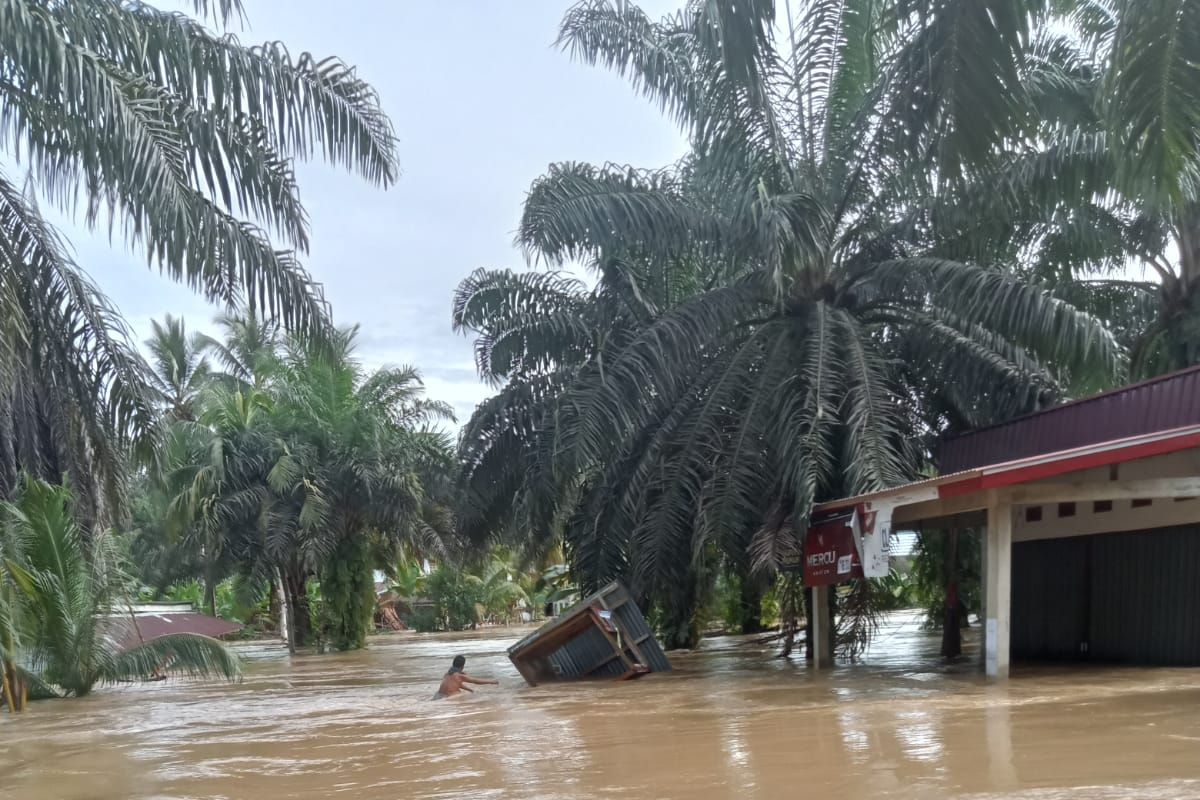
482,103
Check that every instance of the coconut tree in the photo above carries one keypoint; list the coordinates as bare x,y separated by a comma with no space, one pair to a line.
64,594
797,374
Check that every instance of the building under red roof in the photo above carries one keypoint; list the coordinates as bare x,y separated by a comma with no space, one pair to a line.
1091,517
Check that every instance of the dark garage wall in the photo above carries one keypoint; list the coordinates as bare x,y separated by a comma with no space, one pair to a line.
1117,597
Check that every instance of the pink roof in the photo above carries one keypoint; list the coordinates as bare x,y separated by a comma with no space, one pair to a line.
151,626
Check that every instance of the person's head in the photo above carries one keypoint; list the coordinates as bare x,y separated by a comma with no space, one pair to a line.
458,664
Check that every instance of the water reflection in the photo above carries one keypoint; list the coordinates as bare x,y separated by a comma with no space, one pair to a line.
731,721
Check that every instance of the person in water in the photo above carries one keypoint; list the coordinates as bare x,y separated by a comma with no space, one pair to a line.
456,680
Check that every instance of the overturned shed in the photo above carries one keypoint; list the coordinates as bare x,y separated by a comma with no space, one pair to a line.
603,636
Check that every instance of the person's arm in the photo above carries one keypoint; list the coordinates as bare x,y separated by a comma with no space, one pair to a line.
482,681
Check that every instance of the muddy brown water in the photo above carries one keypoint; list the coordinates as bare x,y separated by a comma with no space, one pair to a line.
729,722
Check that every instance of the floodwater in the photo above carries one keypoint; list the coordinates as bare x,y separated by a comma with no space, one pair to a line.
730,722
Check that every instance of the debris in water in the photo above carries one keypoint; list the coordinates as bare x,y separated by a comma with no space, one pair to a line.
604,635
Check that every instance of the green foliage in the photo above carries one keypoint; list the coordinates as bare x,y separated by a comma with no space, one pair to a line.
783,316
349,595
424,620
896,591
63,597
456,596
302,465
180,141
928,574
186,137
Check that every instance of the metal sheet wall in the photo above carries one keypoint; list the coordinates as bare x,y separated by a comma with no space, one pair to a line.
1050,599
1119,597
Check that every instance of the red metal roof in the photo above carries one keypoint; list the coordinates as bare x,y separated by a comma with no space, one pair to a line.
1032,468
1159,404
130,631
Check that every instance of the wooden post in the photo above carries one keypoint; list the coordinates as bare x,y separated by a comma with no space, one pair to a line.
998,626
951,620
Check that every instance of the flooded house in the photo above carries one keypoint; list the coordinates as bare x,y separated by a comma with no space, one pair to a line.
1090,513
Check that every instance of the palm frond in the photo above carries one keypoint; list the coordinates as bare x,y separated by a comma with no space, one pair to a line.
187,654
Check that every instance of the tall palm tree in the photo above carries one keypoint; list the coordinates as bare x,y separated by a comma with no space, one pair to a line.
179,369
798,374
1103,195
184,138
69,606
181,141
74,393
355,449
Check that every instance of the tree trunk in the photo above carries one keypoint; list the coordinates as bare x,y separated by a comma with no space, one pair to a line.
751,604
299,618
13,693
680,627
951,621
274,605
286,626
210,595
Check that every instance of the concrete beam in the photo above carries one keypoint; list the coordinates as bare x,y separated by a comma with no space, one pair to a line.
1035,493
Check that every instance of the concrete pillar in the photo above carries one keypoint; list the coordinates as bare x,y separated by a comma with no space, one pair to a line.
983,611
998,589
822,635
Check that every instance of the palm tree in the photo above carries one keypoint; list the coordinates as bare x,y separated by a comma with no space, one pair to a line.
248,349
177,135
1104,188
65,591
355,452
181,141
214,472
302,465
74,394
798,373
179,368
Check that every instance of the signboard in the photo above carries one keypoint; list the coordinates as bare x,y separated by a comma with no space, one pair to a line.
830,555
792,562
873,537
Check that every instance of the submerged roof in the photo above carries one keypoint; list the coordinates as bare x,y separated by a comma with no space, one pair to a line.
1160,404
1031,468
130,630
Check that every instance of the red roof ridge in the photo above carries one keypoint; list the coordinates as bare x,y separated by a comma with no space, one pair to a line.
1129,387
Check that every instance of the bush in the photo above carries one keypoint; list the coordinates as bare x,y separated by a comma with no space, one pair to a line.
455,596
423,620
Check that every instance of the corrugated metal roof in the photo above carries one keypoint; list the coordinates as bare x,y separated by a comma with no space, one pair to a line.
151,626
1169,401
